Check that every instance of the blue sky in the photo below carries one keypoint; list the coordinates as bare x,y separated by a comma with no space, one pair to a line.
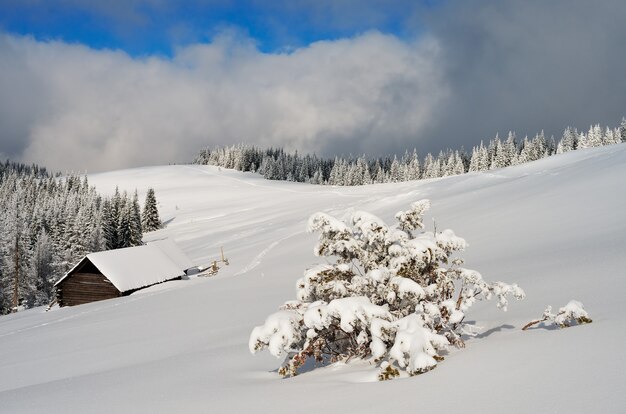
158,27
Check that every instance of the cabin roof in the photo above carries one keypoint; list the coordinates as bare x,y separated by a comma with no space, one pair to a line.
140,266
173,252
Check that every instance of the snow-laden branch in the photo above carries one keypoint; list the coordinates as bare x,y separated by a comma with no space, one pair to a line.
572,313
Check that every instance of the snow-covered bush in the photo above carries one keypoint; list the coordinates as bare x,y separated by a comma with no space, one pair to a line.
572,313
393,294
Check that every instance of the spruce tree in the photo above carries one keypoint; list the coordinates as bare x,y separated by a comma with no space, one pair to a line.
43,264
135,222
395,174
109,226
150,220
124,232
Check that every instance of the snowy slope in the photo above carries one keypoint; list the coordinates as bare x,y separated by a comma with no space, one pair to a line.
557,227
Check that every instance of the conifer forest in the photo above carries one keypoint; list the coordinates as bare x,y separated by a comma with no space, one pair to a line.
49,223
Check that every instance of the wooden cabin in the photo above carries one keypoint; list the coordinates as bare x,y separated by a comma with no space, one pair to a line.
120,272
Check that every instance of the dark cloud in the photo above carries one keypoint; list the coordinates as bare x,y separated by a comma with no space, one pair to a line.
527,66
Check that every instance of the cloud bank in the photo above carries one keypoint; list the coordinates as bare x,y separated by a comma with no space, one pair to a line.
474,69
71,107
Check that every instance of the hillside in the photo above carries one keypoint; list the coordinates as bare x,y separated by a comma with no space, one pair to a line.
555,226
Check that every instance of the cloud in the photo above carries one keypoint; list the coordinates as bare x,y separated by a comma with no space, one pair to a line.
70,107
477,68
528,66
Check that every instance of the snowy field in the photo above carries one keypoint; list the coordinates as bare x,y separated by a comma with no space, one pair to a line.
556,226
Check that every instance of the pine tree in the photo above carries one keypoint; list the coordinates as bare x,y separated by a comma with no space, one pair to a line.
480,159
116,210
568,142
594,137
611,137
583,141
76,238
379,173
317,177
15,254
150,220
124,232
500,156
458,166
539,147
510,149
109,226
395,174
43,269
413,168
364,171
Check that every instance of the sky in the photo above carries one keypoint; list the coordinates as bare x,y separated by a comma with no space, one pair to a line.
94,86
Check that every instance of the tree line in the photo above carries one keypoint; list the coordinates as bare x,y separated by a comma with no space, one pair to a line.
277,164
49,223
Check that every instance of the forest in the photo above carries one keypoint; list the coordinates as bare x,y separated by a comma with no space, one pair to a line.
49,223
277,164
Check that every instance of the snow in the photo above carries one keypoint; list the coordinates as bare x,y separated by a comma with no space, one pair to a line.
406,287
572,311
173,252
277,333
415,346
135,267
349,311
556,227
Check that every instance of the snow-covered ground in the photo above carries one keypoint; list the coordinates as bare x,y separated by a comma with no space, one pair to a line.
557,227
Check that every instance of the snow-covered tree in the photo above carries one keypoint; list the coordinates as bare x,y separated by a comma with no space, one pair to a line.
611,137
510,149
593,137
500,156
395,173
379,176
15,255
480,159
43,264
124,227
395,295
136,233
432,167
568,142
150,219
582,141
455,165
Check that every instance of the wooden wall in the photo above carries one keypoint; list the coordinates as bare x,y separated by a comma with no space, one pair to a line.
85,285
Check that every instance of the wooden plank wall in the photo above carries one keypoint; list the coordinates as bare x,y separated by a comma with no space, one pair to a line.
80,288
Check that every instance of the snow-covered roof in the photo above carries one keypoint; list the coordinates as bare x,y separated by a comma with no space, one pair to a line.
136,267
171,250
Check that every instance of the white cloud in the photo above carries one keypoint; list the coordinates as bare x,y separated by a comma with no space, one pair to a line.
70,107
